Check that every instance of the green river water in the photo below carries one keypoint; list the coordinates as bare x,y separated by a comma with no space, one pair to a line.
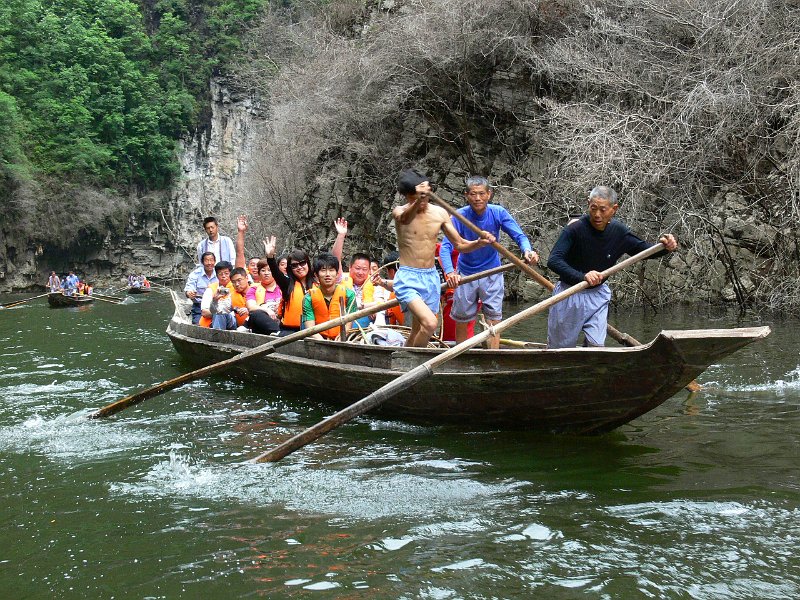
698,499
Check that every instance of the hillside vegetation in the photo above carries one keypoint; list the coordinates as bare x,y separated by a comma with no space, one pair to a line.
94,95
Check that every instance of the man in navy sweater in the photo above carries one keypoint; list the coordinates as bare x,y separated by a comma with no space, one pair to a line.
585,247
489,290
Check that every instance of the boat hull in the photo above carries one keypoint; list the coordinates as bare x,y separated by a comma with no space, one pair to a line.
59,300
580,390
138,290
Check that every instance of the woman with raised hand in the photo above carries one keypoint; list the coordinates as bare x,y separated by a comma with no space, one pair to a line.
264,301
294,284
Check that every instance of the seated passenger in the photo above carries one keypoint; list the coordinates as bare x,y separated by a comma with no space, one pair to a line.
216,307
283,262
239,296
264,301
394,315
359,281
197,283
295,281
252,270
293,285
322,303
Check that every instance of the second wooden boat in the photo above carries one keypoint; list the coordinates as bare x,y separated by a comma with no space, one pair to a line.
61,300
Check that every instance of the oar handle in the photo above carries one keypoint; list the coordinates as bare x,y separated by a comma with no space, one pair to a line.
426,369
261,350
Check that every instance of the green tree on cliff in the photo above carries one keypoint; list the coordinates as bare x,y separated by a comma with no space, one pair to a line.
99,91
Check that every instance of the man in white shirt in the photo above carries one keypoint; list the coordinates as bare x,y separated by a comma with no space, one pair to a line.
221,246
198,282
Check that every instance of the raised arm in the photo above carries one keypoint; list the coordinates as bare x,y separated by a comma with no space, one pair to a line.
340,225
280,278
241,226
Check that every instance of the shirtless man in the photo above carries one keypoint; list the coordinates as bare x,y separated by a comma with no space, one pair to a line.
418,224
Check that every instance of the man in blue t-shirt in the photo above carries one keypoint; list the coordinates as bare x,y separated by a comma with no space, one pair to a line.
489,290
587,246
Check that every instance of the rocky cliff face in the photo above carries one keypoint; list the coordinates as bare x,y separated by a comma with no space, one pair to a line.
213,163
160,231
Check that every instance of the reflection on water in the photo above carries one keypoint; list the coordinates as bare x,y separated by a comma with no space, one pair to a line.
699,498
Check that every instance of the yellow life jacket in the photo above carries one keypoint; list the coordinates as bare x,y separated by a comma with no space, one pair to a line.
261,294
367,289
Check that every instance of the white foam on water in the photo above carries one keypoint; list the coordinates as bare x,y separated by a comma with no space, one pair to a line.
648,512
433,530
350,493
398,426
572,583
69,437
462,565
392,544
789,383
436,593
537,532
60,392
322,585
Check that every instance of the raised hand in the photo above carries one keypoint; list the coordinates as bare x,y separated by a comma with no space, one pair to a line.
269,246
341,226
241,223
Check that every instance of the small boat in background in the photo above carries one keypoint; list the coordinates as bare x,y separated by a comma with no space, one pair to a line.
61,300
139,290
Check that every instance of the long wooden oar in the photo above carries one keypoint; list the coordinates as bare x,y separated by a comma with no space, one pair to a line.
261,350
106,297
623,338
10,304
426,369
102,299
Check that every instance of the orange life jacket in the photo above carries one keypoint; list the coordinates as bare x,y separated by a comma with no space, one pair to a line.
237,300
395,314
292,313
323,312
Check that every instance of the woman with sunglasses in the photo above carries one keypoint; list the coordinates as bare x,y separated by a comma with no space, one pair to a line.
298,278
294,284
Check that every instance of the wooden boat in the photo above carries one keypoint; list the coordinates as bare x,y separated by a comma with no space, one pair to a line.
578,390
61,300
139,290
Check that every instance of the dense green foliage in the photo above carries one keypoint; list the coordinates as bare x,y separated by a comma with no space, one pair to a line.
98,91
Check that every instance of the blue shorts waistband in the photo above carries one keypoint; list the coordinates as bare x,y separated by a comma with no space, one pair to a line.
416,269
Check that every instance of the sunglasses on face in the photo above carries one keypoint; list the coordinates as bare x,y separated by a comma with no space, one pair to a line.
297,265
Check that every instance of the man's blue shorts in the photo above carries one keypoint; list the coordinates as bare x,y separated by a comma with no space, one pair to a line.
411,283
